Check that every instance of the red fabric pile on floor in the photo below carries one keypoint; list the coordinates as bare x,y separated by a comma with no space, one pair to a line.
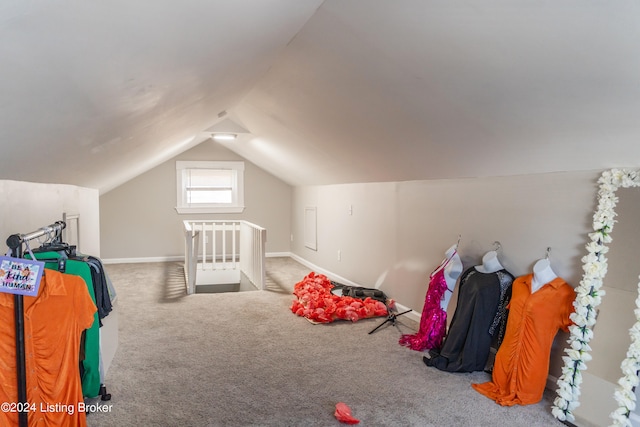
317,303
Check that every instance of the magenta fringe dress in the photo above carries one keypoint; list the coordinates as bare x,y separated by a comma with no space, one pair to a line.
433,323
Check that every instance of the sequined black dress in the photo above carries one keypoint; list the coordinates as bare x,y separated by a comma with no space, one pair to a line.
477,324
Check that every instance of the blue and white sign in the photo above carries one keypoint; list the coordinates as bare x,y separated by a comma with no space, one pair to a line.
20,276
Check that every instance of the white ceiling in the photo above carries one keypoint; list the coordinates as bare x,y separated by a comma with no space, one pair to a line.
334,91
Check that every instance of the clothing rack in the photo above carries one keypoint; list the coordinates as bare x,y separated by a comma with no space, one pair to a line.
15,242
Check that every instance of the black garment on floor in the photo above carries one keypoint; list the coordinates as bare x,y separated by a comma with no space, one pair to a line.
479,319
360,292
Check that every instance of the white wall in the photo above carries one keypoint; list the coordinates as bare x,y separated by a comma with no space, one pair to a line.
28,206
398,232
139,219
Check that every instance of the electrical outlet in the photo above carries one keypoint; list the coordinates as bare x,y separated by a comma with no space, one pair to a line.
339,255
292,237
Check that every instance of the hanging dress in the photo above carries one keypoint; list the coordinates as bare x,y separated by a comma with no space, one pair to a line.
433,322
522,363
481,309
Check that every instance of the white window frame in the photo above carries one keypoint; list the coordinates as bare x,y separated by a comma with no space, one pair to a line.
237,203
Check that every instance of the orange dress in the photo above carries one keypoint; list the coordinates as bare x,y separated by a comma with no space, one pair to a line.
53,323
522,362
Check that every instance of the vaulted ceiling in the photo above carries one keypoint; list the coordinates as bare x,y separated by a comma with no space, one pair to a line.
333,91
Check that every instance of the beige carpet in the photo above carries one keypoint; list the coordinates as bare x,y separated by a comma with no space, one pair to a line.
243,359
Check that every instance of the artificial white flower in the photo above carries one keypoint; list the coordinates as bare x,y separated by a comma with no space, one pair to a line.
576,345
595,268
633,352
557,412
586,334
585,300
595,247
566,394
597,297
621,421
617,175
567,371
578,319
634,331
625,397
590,258
627,382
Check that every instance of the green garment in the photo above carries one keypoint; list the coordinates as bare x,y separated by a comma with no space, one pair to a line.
91,363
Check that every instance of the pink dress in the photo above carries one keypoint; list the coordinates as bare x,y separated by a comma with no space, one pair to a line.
433,323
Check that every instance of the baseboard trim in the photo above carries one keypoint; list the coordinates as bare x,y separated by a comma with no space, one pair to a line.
413,315
318,269
277,254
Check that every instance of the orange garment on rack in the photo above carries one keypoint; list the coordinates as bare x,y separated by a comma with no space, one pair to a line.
53,323
522,362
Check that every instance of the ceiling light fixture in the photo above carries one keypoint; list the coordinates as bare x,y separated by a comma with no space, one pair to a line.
224,136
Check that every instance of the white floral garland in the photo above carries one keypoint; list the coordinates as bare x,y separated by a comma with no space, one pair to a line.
588,297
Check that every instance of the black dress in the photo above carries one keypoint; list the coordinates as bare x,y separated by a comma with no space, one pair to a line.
477,324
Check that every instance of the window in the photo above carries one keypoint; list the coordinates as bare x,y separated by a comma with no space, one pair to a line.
210,187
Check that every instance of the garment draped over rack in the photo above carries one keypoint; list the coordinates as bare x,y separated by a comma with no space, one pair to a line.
41,354
53,355
54,321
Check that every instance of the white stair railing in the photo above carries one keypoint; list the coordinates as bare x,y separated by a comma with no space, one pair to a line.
218,252
252,253
192,238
